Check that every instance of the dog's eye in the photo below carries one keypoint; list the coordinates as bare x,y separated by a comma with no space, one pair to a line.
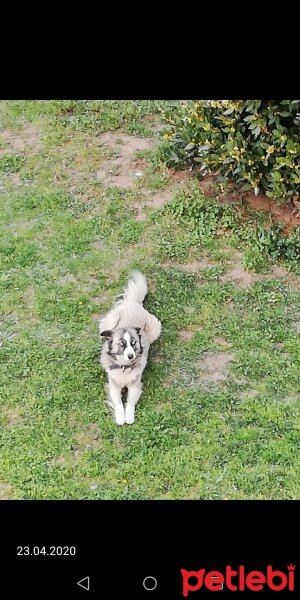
133,342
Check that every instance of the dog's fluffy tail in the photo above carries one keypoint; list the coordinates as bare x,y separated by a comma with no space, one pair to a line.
136,288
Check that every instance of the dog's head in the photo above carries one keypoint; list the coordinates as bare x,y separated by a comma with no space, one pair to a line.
124,345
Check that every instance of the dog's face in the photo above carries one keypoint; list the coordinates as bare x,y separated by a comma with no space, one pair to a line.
124,345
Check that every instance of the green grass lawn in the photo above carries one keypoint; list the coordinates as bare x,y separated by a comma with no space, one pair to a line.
219,414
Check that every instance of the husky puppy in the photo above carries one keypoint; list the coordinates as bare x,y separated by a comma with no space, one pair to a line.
128,330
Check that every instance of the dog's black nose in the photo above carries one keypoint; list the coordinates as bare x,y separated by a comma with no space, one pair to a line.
130,356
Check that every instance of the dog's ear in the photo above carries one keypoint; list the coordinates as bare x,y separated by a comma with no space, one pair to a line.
107,334
138,329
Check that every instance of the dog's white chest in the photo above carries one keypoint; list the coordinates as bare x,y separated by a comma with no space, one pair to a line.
125,378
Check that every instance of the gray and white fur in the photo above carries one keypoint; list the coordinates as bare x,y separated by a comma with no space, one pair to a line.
128,330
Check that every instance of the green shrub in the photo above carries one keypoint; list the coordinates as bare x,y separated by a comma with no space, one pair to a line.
255,143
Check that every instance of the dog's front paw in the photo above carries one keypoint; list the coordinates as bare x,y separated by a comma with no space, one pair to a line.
120,414
129,414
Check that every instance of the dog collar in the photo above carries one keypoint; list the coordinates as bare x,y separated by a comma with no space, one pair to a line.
122,366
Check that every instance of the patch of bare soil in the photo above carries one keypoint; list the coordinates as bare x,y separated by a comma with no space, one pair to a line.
155,201
186,335
103,299
28,297
67,279
220,340
122,171
139,164
13,418
292,399
191,266
89,438
281,273
238,275
208,184
22,225
214,366
248,394
5,491
178,176
23,138
288,214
